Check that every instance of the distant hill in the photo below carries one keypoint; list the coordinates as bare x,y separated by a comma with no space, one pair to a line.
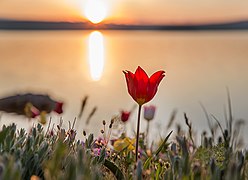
40,25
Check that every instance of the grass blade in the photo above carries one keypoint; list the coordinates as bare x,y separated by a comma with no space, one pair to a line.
114,169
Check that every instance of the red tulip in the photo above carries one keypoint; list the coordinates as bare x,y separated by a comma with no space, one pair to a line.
141,87
58,107
125,116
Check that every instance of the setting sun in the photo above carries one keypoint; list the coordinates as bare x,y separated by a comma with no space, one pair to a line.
95,10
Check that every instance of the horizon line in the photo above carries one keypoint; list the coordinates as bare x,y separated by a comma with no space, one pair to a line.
10,24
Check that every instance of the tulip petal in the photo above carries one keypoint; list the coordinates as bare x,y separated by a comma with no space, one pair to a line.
157,77
130,82
140,82
154,81
140,72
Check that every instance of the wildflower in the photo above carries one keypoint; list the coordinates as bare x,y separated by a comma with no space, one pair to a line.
125,116
99,143
58,107
97,151
126,143
140,86
142,89
149,112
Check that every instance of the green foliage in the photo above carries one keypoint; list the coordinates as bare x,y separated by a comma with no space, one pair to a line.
24,155
58,155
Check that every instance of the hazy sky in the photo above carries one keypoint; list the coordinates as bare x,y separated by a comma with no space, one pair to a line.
126,11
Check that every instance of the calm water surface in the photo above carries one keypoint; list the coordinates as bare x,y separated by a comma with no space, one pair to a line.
66,64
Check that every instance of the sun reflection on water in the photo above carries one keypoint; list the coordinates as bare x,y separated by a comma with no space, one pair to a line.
96,55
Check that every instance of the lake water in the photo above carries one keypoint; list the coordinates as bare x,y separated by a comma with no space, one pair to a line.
71,64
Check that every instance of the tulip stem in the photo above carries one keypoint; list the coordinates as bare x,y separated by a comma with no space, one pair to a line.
147,132
137,135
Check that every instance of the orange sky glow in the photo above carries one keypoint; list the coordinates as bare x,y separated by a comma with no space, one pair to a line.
129,11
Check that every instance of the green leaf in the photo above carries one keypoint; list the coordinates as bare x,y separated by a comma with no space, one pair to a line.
114,169
34,133
139,170
89,141
148,160
19,142
3,134
102,155
147,163
163,144
158,171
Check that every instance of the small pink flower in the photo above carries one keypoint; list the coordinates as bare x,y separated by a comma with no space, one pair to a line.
149,112
125,116
97,151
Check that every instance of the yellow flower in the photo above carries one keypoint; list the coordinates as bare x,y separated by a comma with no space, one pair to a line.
124,144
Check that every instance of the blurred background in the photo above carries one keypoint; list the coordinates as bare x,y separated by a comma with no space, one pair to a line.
70,48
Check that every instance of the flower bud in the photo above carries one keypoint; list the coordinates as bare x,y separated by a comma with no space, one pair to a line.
125,116
149,112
